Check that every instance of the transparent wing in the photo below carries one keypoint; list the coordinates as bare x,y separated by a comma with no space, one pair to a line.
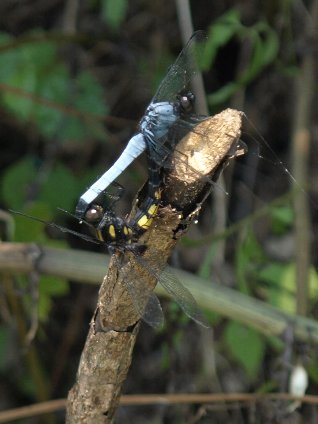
164,147
200,133
174,287
180,73
182,296
153,314
145,302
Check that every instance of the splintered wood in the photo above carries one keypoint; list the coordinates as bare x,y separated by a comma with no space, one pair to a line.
199,155
203,149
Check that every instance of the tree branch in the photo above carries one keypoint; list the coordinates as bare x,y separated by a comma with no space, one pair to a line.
108,350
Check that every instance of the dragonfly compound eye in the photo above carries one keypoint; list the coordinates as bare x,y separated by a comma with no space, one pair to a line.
94,214
187,101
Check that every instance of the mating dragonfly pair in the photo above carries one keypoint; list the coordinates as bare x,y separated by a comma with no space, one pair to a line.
170,110
169,114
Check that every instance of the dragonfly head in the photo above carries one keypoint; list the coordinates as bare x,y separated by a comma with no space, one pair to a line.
94,214
185,101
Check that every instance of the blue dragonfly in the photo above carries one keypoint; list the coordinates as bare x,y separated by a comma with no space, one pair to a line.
171,106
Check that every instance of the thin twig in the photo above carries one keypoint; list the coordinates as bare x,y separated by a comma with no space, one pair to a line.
159,399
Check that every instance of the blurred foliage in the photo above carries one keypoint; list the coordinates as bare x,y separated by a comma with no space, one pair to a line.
39,90
263,44
281,291
59,187
114,13
271,281
36,69
246,346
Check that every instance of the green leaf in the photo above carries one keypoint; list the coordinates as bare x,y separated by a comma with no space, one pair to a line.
54,86
16,181
248,255
268,387
88,97
281,280
282,218
36,69
272,273
264,44
281,285
60,188
276,343
114,12
222,30
38,72
246,346
212,317
264,47
270,45
49,288
29,230
313,370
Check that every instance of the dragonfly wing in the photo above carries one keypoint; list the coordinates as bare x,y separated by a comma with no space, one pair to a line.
174,287
153,314
183,297
184,68
163,147
162,151
145,302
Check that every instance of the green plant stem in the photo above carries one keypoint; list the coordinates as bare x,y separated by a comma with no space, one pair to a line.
304,89
90,267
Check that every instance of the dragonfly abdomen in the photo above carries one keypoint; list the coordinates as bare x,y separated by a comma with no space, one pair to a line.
133,149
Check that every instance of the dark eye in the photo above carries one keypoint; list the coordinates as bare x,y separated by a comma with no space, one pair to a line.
94,214
186,102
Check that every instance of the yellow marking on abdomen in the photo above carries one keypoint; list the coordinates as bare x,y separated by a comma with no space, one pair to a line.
144,222
99,235
111,231
152,210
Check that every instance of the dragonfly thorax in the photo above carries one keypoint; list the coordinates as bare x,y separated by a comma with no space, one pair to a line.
108,227
158,119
